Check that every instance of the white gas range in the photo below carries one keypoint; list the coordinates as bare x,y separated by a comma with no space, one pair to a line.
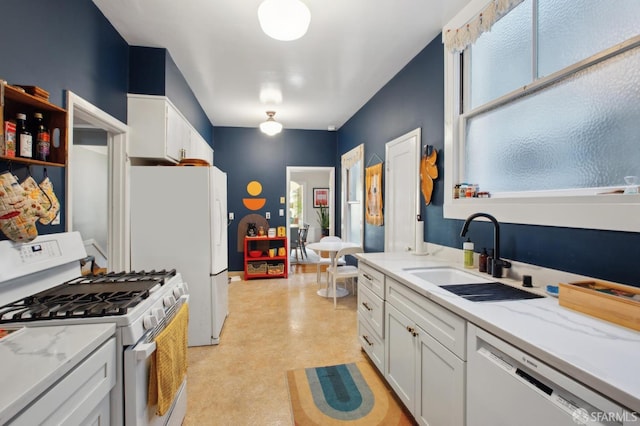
41,285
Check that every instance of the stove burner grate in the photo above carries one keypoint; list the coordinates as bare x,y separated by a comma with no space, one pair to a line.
87,296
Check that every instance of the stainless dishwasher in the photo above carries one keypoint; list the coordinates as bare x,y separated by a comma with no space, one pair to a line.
507,387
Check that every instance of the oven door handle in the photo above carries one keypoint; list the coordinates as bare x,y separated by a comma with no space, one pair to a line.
144,350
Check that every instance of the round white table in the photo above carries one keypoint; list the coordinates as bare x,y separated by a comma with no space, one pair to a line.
333,247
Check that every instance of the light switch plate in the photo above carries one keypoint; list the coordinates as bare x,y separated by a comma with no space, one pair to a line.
281,201
281,212
267,215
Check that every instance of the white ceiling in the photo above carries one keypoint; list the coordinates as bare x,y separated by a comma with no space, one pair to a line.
352,48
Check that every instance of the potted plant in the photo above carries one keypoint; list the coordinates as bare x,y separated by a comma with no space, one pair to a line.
323,219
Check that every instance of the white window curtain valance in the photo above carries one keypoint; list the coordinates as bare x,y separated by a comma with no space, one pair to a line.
353,156
457,39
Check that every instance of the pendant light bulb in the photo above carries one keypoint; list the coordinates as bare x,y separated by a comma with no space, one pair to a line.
271,126
284,20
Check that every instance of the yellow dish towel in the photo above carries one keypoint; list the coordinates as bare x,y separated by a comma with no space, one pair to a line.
169,362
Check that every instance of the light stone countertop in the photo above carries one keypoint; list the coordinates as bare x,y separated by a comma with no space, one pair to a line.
599,354
34,358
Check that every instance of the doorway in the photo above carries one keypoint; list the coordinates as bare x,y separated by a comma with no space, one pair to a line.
108,223
301,182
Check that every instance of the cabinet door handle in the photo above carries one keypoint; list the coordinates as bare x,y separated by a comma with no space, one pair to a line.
412,330
366,339
367,276
366,306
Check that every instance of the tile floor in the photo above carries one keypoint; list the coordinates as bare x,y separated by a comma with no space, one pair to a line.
273,326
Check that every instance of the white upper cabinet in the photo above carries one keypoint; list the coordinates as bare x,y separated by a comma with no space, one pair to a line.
160,132
199,148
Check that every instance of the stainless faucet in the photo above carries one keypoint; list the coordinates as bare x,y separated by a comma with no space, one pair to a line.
496,263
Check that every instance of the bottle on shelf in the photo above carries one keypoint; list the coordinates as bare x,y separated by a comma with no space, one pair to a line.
43,139
23,137
9,139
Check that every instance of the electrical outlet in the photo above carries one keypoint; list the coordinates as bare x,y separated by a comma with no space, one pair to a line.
281,212
231,215
281,201
267,215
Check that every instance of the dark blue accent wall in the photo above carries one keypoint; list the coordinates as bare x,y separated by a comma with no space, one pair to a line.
147,74
415,98
59,46
65,45
246,154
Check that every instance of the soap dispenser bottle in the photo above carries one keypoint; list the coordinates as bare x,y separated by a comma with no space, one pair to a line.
467,248
482,261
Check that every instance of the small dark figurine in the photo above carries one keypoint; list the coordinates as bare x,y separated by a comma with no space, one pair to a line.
251,229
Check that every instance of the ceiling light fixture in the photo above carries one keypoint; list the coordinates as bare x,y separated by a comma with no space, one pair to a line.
284,20
271,126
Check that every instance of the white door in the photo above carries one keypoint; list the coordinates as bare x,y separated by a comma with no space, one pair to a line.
401,196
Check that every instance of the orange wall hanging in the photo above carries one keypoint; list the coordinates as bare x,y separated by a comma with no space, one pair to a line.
254,188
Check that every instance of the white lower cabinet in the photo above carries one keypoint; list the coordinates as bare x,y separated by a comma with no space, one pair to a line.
425,374
372,344
79,398
440,393
371,313
418,346
400,367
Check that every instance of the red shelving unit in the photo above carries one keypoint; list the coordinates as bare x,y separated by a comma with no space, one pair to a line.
265,266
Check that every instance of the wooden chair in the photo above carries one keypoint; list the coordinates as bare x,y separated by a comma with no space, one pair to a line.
346,272
299,244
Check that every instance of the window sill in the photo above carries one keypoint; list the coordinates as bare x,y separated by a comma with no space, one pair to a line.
614,212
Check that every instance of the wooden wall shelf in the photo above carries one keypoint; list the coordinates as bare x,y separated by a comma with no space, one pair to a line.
14,100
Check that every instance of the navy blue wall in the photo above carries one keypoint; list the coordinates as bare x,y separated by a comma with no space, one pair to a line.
59,46
147,74
246,154
415,98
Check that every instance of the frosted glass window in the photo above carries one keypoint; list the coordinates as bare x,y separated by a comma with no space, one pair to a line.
501,59
570,31
582,132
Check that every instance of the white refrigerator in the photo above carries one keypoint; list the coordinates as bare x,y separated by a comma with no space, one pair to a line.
179,220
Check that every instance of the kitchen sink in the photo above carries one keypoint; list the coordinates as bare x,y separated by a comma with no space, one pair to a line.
489,292
444,275
470,286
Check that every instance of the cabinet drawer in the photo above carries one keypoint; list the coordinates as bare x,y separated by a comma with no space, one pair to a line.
371,278
76,395
372,344
446,327
371,309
